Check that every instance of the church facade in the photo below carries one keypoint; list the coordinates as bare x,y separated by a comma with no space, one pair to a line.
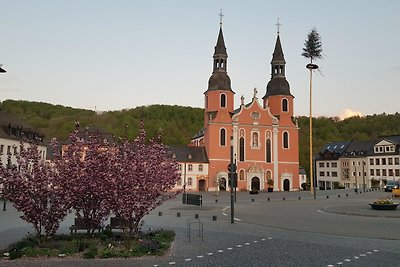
263,132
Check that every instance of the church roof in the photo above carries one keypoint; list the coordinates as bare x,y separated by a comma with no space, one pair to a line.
277,56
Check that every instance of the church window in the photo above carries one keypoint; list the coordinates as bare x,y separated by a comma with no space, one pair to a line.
268,150
241,175
285,105
285,140
206,101
254,139
269,176
222,137
241,149
223,100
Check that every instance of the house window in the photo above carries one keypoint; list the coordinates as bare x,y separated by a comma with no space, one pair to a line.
268,150
190,181
334,174
327,164
378,172
321,174
383,172
284,105
179,182
285,140
222,137
1,149
377,162
200,167
390,161
383,161
397,172
8,150
241,149
371,161
190,167
321,164
223,100
241,175
334,164
390,172
372,173
396,161
327,174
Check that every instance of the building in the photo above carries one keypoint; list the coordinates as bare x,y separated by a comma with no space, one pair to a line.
13,131
359,165
193,167
263,132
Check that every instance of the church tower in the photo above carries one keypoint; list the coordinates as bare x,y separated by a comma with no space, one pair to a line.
218,104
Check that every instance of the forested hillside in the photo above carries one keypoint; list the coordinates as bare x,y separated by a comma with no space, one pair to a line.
178,124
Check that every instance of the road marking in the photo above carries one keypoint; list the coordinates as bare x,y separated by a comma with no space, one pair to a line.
229,248
339,263
255,241
362,255
225,214
239,246
269,238
220,251
247,244
171,263
209,253
200,256
188,259
355,257
330,265
375,250
262,239
369,252
347,260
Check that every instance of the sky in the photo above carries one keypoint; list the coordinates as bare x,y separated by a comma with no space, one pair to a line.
111,55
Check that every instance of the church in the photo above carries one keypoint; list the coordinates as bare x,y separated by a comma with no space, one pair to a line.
263,132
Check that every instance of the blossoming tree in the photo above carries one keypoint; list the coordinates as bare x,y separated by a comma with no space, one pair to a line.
144,173
36,190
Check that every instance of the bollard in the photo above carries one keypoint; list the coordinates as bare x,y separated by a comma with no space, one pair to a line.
252,200
347,195
196,216
268,199
214,218
283,198
160,213
216,201
327,196
338,195
178,214
299,198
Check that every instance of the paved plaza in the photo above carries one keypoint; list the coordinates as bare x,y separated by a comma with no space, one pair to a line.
270,229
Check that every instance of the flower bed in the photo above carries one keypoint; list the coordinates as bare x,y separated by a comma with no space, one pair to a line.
384,204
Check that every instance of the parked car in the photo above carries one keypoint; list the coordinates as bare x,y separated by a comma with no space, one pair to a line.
390,185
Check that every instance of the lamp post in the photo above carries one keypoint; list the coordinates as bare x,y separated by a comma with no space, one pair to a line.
4,197
1,69
231,173
311,67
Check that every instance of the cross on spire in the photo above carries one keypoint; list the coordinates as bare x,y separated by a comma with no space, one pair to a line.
220,18
278,25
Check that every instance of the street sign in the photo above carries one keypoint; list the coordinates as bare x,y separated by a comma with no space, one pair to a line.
232,167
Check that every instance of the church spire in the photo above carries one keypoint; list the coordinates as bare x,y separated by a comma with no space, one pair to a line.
220,80
278,84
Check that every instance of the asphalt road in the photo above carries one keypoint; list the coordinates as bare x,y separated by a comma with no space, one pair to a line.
270,229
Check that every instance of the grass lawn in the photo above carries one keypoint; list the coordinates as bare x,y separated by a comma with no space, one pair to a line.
107,244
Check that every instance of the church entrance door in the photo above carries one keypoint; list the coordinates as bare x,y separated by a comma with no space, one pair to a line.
222,184
202,185
255,183
286,185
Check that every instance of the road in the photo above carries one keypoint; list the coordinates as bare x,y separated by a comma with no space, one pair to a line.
270,229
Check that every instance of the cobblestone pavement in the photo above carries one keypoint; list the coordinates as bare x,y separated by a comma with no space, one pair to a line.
271,229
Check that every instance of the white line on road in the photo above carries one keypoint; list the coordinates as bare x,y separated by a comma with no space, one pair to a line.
188,259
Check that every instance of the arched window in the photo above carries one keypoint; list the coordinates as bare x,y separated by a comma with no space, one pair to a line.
268,151
241,149
223,100
285,140
222,137
241,175
254,139
284,105
269,176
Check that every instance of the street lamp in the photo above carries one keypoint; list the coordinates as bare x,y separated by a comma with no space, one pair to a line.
311,67
1,69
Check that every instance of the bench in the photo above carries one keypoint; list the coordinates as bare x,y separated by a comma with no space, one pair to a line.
117,224
79,224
